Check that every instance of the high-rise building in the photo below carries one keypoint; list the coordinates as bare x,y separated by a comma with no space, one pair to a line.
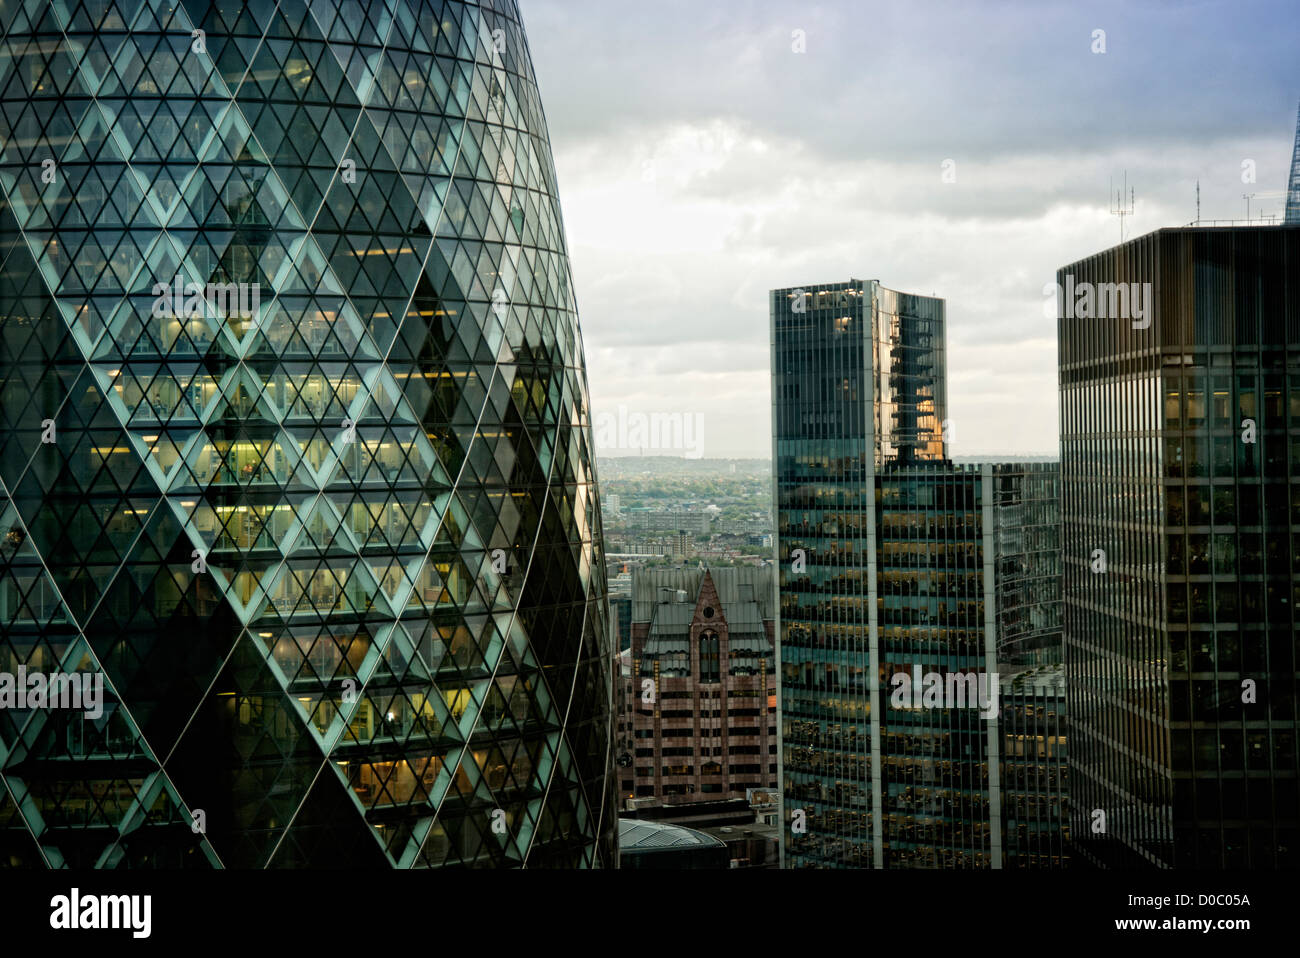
1292,215
699,699
834,417
858,391
1026,535
620,610
1180,452
295,451
895,564
938,779
860,376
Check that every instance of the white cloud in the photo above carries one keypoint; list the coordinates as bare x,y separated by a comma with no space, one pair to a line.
701,164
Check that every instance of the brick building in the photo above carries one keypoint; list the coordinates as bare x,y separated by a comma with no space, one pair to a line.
697,709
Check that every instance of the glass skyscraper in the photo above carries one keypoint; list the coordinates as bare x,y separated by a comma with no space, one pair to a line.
1291,215
940,802
1180,456
858,413
295,451
1027,548
897,562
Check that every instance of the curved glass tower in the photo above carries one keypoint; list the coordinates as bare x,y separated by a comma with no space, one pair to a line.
295,457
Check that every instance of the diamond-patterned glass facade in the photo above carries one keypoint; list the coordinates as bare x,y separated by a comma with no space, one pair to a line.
335,554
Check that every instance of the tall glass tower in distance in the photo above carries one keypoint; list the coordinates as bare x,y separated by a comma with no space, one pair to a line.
1291,216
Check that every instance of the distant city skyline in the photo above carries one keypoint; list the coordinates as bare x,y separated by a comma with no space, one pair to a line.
703,162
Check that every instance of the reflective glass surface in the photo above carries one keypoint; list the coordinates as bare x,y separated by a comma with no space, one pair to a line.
1180,529
329,533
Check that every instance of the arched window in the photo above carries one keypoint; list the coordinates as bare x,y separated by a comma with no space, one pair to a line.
709,669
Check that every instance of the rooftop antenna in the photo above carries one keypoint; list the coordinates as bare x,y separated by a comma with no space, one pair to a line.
1247,197
1119,209
1198,202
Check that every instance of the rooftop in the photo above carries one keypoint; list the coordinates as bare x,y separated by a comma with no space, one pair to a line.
649,836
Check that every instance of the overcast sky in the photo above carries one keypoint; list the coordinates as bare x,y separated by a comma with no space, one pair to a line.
702,162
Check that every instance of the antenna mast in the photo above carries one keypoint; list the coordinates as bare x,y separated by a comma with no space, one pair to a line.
1120,211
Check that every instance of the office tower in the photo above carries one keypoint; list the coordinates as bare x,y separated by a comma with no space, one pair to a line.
1031,671
897,562
1292,216
858,410
861,376
620,610
832,417
295,450
938,788
701,690
1180,408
